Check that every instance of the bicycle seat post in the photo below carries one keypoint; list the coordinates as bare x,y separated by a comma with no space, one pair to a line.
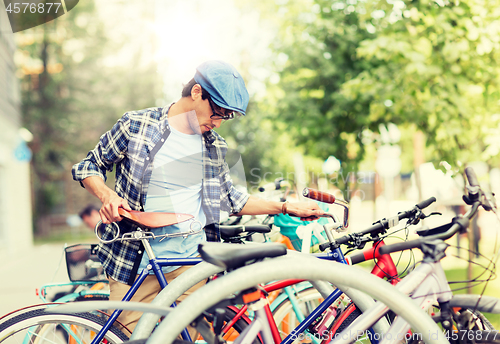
139,234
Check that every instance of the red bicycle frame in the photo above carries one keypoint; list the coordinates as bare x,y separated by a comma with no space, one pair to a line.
384,268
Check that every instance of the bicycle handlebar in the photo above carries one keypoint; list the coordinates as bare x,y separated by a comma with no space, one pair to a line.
232,230
318,195
426,203
276,185
471,176
384,224
458,225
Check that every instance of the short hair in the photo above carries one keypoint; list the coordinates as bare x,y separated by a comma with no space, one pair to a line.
186,90
88,210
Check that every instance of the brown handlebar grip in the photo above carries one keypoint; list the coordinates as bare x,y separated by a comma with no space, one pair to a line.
318,195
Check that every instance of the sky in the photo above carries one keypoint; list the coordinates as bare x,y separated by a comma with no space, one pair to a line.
179,35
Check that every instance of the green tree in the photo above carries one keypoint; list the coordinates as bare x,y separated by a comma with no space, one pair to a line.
70,96
347,66
315,55
433,64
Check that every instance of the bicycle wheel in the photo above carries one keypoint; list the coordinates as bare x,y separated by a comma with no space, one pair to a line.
239,326
230,334
471,326
339,316
288,318
35,325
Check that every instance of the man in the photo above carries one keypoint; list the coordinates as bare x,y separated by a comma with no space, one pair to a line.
169,159
90,216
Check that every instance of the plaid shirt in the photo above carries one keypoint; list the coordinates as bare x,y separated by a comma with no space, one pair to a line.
131,145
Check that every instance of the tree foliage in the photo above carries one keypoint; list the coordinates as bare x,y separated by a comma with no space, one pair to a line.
70,96
318,48
434,65
346,66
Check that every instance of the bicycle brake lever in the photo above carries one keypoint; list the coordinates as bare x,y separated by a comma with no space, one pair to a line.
489,201
433,213
422,216
415,219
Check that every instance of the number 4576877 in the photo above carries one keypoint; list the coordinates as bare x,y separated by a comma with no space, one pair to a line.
471,335
31,7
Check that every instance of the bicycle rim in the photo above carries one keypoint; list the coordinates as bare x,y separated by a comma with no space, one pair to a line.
35,326
479,328
239,326
309,299
287,319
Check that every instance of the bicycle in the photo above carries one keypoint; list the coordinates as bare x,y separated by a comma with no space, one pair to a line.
398,300
379,228
144,327
86,275
270,287
340,311
40,324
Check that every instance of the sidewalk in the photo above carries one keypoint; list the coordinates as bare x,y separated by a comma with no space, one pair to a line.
23,274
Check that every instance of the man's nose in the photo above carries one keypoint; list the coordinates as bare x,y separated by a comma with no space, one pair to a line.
217,122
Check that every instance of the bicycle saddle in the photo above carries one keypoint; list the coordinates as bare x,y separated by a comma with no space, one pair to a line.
229,231
232,256
153,219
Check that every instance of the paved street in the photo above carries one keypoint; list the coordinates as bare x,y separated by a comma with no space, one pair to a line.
22,275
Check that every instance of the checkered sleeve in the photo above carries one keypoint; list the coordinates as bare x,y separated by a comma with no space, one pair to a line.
232,200
110,149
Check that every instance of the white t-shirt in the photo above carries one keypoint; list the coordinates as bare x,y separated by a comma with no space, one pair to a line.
176,187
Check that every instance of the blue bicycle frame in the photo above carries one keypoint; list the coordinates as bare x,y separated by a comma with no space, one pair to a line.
155,264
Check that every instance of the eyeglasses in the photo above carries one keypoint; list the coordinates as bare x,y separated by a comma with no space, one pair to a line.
229,114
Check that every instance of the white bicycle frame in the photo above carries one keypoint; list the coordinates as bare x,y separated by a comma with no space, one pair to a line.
427,284
304,267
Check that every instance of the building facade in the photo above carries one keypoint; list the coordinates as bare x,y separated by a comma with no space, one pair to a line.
16,232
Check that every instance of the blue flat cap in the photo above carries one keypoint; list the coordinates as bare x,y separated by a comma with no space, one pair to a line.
224,84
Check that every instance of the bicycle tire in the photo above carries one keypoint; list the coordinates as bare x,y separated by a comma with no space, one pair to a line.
35,325
479,328
308,300
230,335
240,325
92,297
284,315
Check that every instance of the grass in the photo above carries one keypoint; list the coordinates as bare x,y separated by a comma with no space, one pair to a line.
456,270
80,236
492,287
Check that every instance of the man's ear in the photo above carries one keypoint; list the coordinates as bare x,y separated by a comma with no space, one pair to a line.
196,92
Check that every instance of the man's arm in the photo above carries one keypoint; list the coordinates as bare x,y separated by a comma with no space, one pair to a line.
304,210
109,198
111,149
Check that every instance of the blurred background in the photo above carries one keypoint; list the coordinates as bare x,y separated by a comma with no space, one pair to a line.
382,103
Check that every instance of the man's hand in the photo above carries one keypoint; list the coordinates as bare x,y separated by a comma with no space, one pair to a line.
110,199
307,211
109,209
